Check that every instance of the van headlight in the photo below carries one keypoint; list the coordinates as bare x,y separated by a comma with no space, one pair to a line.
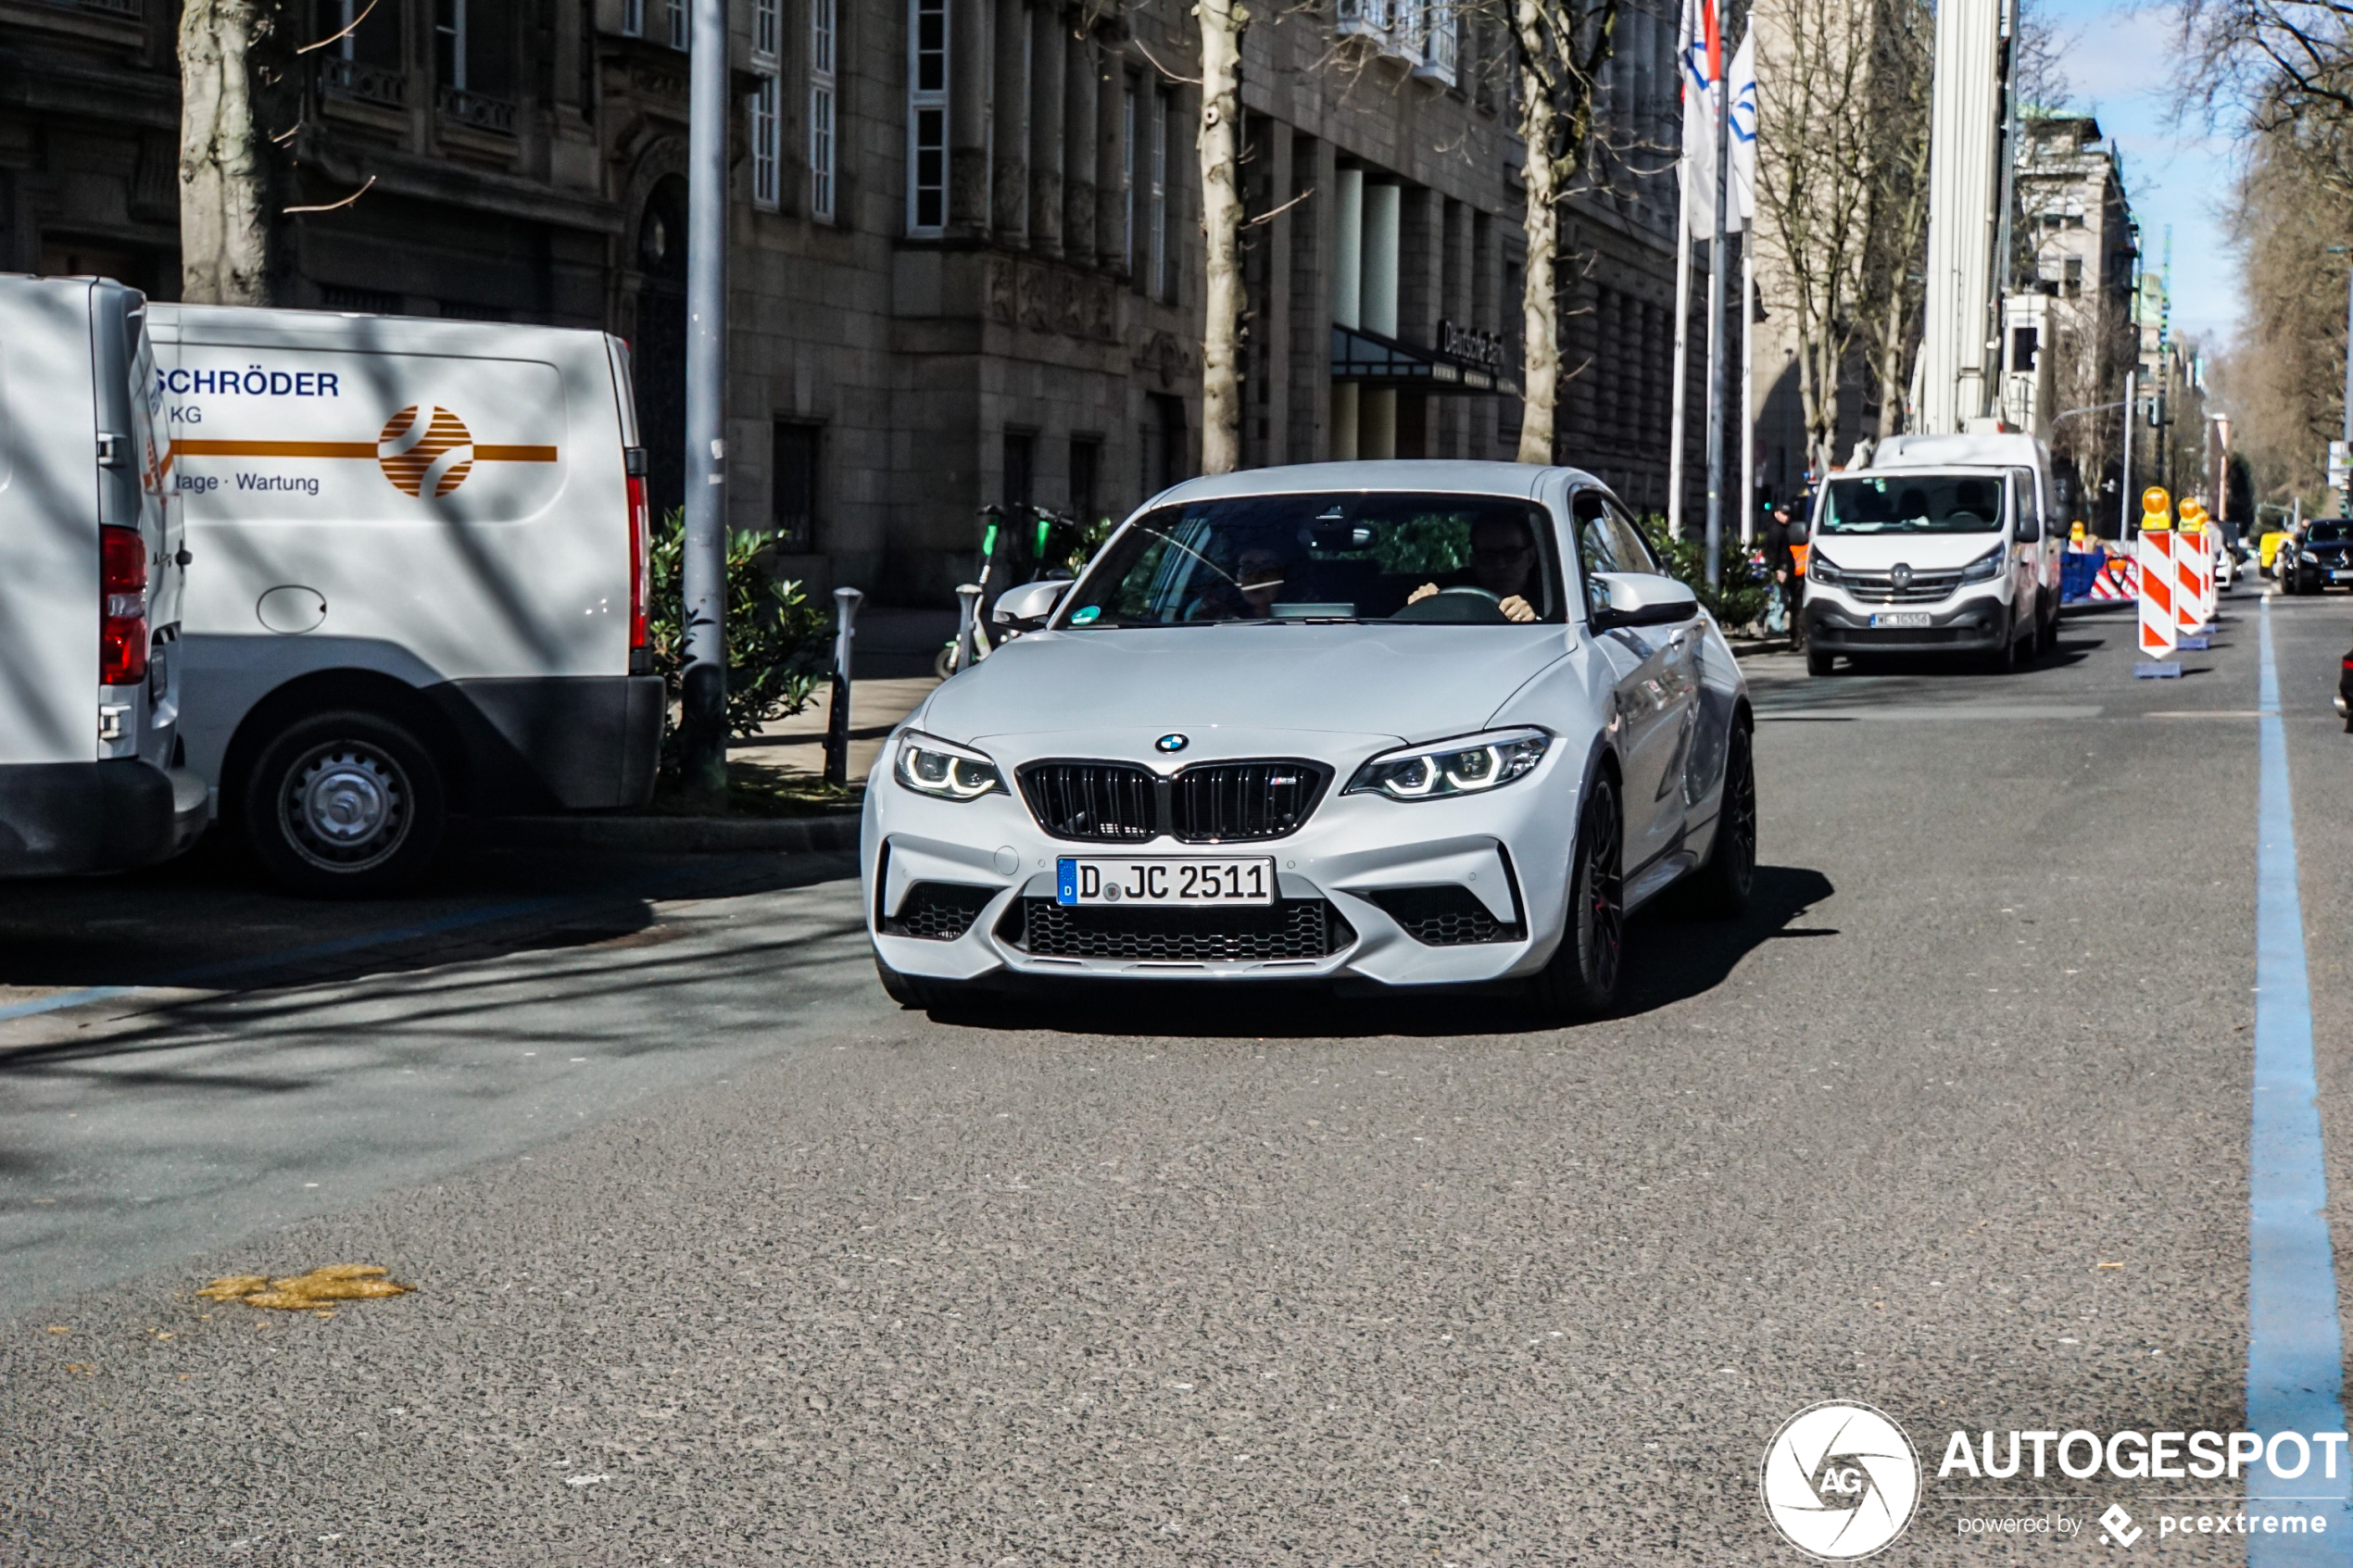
1984,568
1826,573
944,770
1467,765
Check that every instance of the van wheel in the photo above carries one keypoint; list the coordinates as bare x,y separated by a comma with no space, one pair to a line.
1581,979
1818,661
345,805
2047,639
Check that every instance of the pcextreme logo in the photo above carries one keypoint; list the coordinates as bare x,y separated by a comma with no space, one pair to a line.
1841,1481
424,450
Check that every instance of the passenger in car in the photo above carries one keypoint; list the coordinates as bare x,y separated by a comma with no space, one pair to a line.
1502,562
1259,574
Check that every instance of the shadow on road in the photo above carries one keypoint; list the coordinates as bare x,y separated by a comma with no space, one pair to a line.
203,922
1670,958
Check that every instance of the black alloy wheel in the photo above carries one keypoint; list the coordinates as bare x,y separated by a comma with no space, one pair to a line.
1581,979
1720,887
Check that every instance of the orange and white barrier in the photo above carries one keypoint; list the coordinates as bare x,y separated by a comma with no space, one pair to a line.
2160,631
2192,581
2118,579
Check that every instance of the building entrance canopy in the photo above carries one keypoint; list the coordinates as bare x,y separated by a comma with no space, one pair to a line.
1372,360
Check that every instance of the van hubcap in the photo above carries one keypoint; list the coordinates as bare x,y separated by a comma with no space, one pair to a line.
345,807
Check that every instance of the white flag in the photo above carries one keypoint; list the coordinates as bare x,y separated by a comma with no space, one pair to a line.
1740,210
1701,56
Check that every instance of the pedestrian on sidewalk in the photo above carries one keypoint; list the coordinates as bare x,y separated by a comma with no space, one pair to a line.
1781,603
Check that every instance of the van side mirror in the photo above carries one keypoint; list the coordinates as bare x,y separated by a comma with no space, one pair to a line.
1642,598
1026,608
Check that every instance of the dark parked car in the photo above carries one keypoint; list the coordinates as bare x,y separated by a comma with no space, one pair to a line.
2323,558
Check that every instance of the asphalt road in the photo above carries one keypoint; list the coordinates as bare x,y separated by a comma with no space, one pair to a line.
720,1259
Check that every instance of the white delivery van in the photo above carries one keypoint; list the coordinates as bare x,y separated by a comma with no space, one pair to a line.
1945,545
91,567
421,580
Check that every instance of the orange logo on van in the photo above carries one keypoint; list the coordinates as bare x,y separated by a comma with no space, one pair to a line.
425,451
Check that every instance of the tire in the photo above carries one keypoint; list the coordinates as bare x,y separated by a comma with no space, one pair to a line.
345,804
2003,660
1719,888
2046,638
1818,661
1581,979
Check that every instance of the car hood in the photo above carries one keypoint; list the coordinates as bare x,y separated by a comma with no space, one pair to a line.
1927,552
1413,683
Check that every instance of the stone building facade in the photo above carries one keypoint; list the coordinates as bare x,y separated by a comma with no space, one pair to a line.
965,260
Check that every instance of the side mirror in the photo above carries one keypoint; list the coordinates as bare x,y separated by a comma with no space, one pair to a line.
1026,608
1642,598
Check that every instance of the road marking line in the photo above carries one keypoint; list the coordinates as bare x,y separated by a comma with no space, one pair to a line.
2295,1352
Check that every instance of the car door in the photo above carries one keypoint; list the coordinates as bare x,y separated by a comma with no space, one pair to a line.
1654,689
2029,530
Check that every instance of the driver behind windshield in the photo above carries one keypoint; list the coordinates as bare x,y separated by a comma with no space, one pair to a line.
1249,593
1502,562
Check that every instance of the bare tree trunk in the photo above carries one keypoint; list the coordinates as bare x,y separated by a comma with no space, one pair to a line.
1540,331
1221,387
224,210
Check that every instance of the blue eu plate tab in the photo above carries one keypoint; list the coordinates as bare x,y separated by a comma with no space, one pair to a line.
1065,880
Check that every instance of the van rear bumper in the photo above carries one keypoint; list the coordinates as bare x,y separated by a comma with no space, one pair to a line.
65,818
578,743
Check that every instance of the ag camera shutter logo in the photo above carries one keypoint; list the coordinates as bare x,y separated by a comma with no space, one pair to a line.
1841,1481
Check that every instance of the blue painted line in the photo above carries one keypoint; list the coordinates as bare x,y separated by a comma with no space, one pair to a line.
2295,1352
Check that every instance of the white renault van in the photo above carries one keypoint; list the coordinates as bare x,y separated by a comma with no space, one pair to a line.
1945,545
421,580
91,567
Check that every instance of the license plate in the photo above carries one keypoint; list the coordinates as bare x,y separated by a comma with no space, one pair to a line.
1164,881
1901,618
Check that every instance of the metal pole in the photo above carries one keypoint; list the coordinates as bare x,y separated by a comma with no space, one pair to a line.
1716,356
967,621
2345,497
838,704
2125,504
1675,420
1748,386
703,717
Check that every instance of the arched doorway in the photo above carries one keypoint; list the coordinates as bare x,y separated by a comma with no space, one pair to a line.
660,354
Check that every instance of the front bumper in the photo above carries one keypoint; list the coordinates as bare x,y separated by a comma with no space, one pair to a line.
1974,622
1500,861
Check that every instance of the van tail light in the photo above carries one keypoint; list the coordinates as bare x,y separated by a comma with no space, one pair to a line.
123,607
640,567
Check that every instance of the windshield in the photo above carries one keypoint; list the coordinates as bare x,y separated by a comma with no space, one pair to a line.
2326,533
1464,560
1913,503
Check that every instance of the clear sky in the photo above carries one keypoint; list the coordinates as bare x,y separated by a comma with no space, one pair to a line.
2119,63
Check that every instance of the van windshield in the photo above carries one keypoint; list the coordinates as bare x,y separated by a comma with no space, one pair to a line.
1913,503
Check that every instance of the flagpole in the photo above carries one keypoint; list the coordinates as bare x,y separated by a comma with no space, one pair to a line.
1748,384
1682,350
1716,280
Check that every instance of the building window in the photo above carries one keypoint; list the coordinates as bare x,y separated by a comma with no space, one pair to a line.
1127,183
765,144
1156,199
473,51
767,28
821,98
681,34
632,18
927,117
794,491
368,39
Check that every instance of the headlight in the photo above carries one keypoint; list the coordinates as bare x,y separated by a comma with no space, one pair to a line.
1984,568
1825,573
943,771
1464,766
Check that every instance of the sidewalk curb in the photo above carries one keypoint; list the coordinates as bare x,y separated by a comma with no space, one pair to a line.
679,835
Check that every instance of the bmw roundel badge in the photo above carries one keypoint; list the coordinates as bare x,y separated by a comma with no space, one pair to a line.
1173,743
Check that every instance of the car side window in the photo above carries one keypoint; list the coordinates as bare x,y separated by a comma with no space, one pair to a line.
1633,550
1596,547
